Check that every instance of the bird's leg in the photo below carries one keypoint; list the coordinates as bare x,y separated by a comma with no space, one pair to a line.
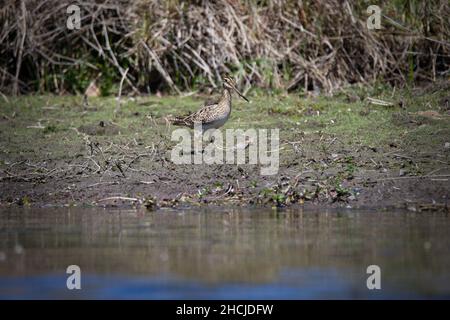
209,136
198,141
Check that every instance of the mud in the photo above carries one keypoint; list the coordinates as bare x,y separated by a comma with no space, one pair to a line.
56,154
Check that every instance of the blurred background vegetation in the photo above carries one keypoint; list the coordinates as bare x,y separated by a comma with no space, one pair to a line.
175,45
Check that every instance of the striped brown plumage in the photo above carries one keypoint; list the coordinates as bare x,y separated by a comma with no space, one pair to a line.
212,115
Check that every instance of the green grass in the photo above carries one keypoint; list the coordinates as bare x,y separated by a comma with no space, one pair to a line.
352,122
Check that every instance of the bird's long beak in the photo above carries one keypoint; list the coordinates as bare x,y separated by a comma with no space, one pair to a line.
240,94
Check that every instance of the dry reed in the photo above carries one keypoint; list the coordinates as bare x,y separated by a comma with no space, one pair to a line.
289,45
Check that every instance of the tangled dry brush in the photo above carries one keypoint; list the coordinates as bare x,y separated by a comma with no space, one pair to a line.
175,45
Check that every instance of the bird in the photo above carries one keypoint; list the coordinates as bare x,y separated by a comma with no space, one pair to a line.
215,115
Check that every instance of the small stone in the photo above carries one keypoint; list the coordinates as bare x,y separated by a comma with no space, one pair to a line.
447,145
18,249
402,172
356,190
164,257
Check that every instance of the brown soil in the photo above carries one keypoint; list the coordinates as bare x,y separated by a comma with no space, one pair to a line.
131,175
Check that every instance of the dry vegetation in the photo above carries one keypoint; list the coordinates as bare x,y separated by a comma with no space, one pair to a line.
317,45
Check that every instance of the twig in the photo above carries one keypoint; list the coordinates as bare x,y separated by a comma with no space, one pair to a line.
114,59
4,97
120,91
160,68
22,43
102,183
411,177
380,102
118,198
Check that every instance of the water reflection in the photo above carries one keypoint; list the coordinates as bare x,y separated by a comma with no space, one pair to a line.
222,253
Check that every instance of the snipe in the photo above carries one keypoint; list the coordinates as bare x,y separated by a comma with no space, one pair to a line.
212,115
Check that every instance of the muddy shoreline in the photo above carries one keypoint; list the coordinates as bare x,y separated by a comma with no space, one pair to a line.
159,183
76,157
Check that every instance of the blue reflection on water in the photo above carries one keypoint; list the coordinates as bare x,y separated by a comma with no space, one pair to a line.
292,284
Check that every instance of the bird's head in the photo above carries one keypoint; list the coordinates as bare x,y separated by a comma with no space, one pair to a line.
230,84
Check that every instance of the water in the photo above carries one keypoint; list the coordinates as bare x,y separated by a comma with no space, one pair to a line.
223,254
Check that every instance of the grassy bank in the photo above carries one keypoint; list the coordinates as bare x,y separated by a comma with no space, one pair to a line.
343,151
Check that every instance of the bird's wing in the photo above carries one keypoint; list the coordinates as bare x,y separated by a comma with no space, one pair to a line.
200,116
205,112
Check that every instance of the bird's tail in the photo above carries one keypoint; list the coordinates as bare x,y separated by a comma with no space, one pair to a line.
177,121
